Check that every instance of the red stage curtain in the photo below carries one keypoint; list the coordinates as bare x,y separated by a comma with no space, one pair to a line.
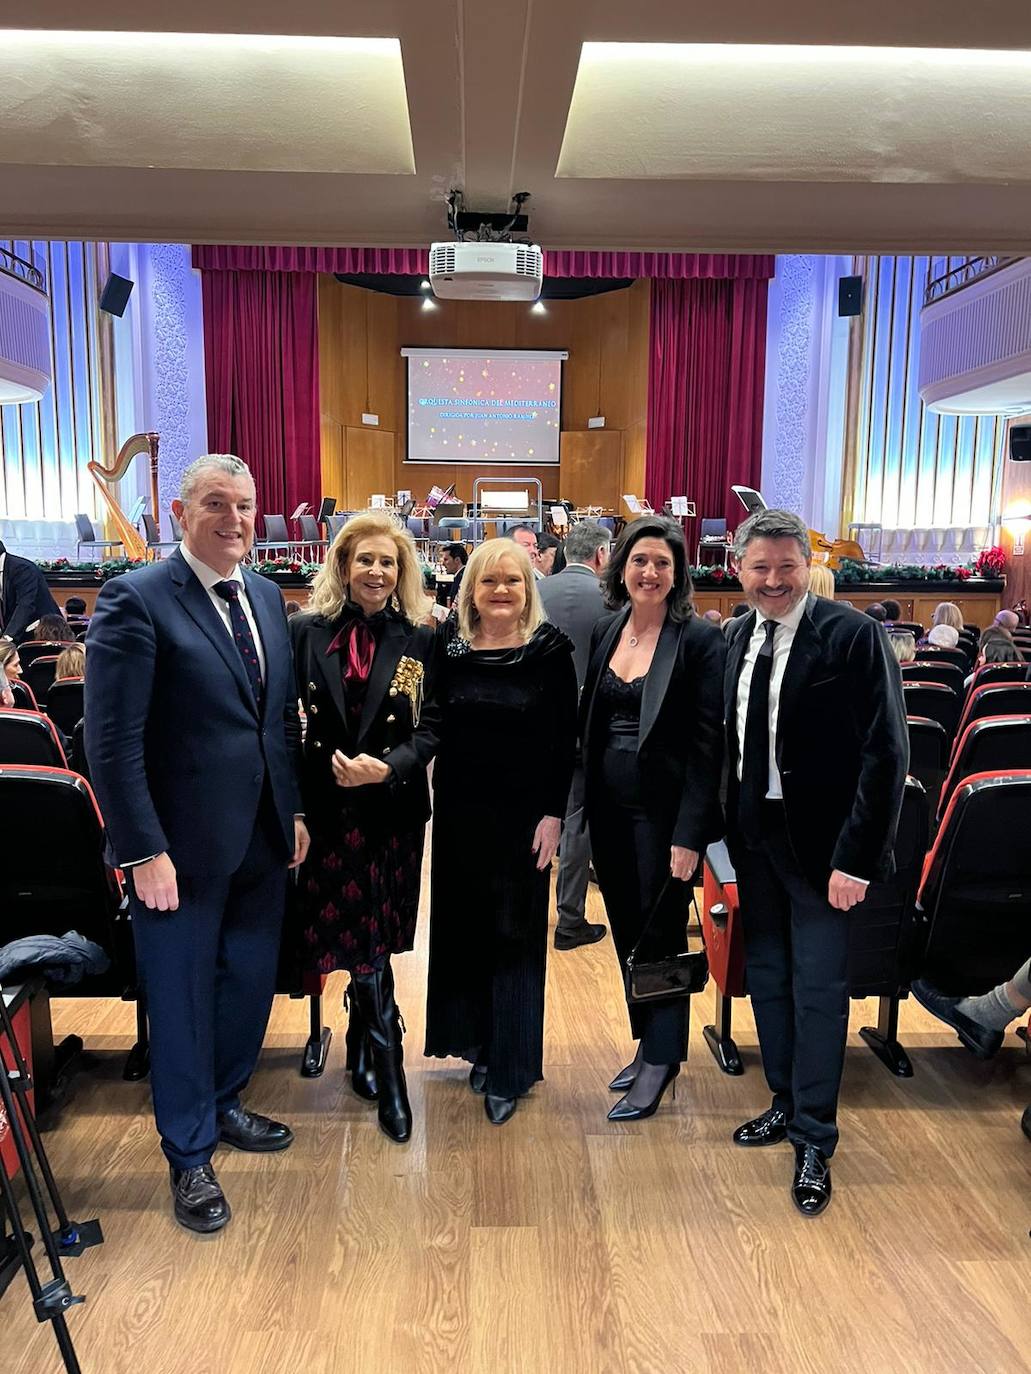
705,393
261,366
416,261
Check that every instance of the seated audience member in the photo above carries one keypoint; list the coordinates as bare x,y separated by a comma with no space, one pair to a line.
714,616
71,662
903,646
821,581
75,605
980,1021
995,648
877,612
740,608
1007,620
549,554
9,660
453,558
54,629
943,637
948,613
892,611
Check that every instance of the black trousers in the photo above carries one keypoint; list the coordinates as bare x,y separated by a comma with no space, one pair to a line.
208,972
796,951
631,849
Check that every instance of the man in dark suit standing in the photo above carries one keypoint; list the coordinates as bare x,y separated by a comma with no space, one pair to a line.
192,738
573,602
24,595
818,750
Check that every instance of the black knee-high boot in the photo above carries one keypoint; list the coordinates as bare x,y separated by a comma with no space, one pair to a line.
375,993
359,1050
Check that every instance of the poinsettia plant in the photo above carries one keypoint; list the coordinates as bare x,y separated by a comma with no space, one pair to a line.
990,562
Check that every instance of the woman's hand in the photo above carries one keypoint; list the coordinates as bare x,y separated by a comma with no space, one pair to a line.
545,840
360,771
682,862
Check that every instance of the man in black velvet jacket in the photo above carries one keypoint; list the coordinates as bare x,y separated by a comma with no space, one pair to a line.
818,750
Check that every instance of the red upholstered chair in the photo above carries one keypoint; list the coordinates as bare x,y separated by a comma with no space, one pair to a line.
39,648
935,701
946,673
996,699
987,745
24,697
931,654
28,737
40,673
884,940
990,673
976,890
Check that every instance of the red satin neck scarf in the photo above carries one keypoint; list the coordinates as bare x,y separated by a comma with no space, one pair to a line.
359,644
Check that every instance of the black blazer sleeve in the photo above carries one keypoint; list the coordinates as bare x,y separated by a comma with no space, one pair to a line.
864,845
700,818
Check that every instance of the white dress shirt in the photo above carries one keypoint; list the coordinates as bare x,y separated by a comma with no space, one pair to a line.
783,638
208,578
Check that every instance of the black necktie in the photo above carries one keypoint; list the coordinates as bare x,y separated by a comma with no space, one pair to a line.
755,747
230,592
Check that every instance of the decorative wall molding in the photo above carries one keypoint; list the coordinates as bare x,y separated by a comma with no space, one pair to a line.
789,365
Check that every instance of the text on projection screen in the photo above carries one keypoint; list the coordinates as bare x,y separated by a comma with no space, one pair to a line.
468,406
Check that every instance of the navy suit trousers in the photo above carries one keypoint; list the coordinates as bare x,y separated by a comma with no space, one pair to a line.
208,972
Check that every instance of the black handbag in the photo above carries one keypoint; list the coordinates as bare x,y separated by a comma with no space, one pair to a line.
652,973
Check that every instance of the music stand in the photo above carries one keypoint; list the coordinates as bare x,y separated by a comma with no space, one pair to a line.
302,509
327,508
751,500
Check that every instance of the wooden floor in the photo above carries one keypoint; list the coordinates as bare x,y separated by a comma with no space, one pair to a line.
560,1242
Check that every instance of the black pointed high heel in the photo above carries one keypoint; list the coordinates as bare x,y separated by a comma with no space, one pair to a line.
624,1080
623,1111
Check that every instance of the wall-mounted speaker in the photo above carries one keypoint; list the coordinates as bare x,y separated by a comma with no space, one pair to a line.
1020,443
115,295
850,295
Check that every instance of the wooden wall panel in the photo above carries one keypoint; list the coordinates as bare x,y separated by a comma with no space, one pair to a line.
361,334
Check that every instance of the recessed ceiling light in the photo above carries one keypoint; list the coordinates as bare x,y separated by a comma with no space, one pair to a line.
424,285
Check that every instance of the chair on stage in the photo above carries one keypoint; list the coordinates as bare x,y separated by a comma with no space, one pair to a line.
946,673
929,746
996,699
276,538
152,531
65,703
989,744
29,738
884,940
53,879
712,539
311,538
934,700
40,674
86,538
975,897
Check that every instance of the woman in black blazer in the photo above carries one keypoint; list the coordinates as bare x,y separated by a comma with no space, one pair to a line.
651,724
364,664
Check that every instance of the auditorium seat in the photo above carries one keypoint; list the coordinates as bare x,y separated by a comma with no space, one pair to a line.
946,673
39,648
929,745
934,700
996,699
65,703
24,696
999,672
28,737
53,879
976,890
40,673
986,745
883,946
909,626
932,654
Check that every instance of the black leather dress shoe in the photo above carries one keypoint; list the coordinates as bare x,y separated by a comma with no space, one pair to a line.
769,1129
811,1188
979,1040
200,1204
478,1078
499,1109
586,934
248,1131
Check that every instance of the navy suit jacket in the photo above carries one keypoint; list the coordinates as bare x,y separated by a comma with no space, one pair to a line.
26,597
178,752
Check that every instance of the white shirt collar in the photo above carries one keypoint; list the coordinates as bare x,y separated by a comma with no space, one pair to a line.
207,576
792,620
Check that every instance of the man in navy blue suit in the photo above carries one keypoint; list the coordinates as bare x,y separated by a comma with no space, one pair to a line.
192,737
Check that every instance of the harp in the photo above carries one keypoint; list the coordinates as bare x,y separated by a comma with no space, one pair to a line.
133,542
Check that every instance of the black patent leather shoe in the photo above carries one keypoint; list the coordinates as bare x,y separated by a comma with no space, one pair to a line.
769,1129
499,1109
624,1080
625,1111
585,934
811,1189
248,1131
199,1202
478,1078
980,1040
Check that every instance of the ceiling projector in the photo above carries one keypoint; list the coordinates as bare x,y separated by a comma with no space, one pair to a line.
486,271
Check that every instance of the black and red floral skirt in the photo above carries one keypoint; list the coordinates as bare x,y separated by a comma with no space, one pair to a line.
357,898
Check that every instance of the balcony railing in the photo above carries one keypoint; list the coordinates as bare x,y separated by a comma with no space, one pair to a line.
960,272
13,266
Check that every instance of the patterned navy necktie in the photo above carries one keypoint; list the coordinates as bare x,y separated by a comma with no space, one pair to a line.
230,592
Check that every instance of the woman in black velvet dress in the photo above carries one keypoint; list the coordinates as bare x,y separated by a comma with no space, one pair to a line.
507,697
365,679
